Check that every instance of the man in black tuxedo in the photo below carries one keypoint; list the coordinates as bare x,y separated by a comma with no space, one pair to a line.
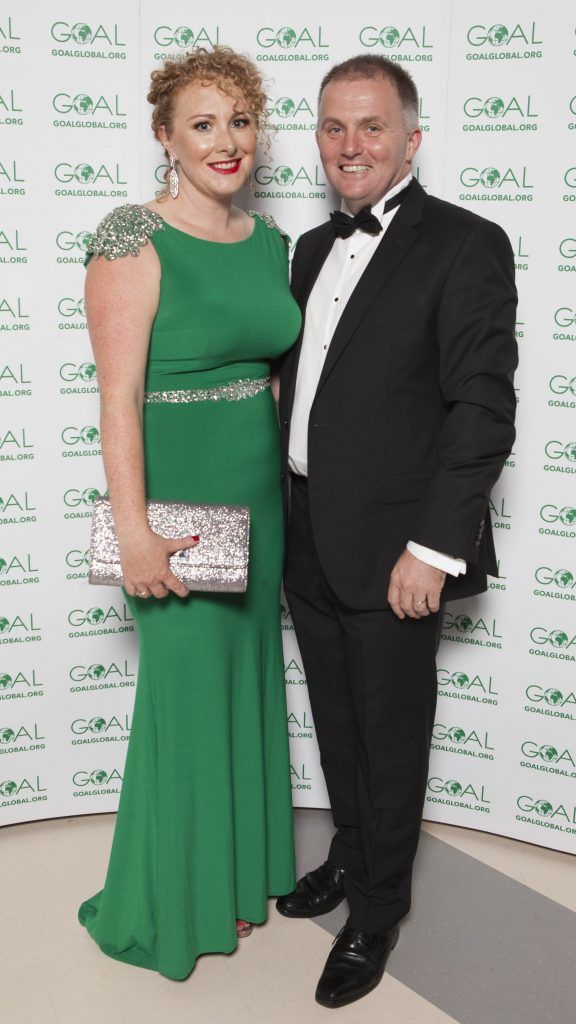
397,407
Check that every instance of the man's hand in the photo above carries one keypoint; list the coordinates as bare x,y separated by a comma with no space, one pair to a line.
415,587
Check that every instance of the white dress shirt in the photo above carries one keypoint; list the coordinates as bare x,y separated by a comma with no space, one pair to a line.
343,268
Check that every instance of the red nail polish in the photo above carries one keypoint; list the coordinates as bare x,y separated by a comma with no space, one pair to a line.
195,537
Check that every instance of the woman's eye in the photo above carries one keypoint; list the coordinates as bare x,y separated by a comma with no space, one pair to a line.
241,122
202,125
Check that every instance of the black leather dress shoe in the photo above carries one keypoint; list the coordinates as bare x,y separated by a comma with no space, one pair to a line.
316,893
354,966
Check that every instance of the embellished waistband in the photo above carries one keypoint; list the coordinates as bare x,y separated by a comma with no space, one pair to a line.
235,391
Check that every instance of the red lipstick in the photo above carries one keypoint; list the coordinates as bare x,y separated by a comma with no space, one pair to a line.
226,166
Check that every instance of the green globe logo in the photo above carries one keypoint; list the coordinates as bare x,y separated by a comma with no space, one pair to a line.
490,177
498,34
460,680
553,696
5,681
83,239
389,36
81,32
543,807
567,516
3,566
90,495
283,175
96,672
285,107
558,638
570,449
6,735
97,724
4,625
286,37
456,734
90,435
87,371
548,753
453,787
494,107
94,615
84,173
183,36
7,788
563,578
83,104
98,777
463,623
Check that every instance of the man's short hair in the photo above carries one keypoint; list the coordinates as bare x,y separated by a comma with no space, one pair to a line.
374,66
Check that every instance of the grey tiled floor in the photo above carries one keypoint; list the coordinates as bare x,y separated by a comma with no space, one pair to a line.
480,947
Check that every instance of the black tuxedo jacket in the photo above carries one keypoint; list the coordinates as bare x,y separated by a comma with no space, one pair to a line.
413,417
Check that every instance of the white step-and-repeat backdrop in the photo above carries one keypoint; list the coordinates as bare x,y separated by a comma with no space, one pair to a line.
498,111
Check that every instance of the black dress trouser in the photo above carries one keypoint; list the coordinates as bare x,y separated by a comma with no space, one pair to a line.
372,686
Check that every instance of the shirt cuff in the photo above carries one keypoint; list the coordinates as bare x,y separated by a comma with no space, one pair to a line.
453,566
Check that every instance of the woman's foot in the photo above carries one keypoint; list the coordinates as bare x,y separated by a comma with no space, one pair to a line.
243,929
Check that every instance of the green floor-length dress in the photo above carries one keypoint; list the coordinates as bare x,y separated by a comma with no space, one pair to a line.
204,828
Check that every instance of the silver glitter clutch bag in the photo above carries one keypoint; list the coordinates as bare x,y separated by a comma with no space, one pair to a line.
219,562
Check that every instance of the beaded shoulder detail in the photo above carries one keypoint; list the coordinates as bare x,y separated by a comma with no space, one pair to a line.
271,223
124,231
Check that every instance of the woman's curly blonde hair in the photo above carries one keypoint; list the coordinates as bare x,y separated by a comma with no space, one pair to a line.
233,73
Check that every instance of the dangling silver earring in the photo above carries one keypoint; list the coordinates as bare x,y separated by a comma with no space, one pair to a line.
173,180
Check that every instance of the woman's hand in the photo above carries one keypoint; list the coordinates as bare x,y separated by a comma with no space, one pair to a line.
145,566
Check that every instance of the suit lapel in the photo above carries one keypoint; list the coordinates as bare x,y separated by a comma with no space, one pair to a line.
399,237
301,290
315,263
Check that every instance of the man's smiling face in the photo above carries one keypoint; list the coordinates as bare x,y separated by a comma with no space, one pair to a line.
364,142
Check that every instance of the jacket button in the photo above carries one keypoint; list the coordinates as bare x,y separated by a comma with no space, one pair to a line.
285,423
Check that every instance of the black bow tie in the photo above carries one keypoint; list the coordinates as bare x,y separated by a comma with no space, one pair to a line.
345,225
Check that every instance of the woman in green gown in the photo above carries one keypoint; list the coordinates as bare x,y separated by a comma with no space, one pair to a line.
187,302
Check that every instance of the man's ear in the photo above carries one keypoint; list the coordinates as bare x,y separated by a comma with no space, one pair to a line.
413,145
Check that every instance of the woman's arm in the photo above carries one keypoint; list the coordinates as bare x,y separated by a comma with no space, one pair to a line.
121,302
